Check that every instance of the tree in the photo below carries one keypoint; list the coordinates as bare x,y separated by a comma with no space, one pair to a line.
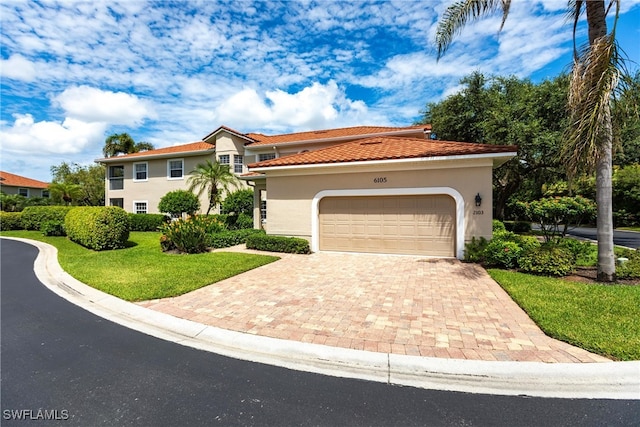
179,201
594,80
89,178
122,143
239,202
213,177
67,192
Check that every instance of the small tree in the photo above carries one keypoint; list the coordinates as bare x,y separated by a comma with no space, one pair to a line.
179,201
239,202
556,214
214,178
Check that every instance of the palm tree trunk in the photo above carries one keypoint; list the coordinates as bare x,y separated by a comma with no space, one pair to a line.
596,20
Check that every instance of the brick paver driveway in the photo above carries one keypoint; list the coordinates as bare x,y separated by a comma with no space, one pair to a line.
392,304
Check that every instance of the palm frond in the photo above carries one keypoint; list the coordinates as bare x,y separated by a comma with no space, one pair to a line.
457,15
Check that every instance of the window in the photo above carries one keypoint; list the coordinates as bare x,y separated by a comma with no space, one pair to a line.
45,194
117,202
175,169
116,177
140,207
224,159
23,192
263,210
140,171
237,163
266,156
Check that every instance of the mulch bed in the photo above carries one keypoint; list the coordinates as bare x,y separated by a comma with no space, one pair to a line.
589,275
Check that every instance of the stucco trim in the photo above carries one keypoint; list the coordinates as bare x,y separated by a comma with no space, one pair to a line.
418,191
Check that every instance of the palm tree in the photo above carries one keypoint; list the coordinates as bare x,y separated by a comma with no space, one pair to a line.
594,81
65,191
122,143
214,177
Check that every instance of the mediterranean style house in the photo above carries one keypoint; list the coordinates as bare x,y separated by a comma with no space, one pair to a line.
391,190
15,184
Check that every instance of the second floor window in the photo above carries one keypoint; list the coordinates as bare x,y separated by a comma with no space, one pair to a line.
266,156
224,159
116,177
140,171
237,163
175,169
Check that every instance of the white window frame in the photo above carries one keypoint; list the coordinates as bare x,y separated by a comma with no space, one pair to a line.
237,157
135,208
146,172
266,156
169,177
26,190
225,159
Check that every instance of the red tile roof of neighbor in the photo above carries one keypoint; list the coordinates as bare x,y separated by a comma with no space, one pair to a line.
183,148
385,148
14,180
329,134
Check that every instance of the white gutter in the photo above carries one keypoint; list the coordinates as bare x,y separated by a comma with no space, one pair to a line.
118,159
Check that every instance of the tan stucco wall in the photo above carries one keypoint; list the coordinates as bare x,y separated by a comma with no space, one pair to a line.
290,197
10,190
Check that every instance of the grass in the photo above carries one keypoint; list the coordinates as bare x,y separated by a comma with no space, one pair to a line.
142,271
603,319
629,228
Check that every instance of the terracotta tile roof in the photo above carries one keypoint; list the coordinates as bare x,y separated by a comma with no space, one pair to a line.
228,129
385,148
13,180
176,149
330,134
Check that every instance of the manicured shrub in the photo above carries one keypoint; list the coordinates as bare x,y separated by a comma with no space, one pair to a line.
98,228
265,242
179,201
548,260
578,248
502,253
240,201
11,221
555,214
474,250
498,226
34,216
147,222
53,228
189,235
631,268
232,237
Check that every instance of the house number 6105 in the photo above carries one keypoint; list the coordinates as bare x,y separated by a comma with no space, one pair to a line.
380,180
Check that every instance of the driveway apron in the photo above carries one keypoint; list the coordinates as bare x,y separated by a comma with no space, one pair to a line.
392,304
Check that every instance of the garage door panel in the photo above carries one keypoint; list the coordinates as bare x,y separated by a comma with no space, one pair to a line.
389,224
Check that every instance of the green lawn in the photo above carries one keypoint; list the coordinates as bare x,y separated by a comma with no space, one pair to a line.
603,319
629,228
142,271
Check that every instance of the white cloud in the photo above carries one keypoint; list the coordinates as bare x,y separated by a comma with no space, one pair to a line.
18,67
27,136
94,105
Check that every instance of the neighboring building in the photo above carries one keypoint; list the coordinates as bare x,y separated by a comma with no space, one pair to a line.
15,184
360,189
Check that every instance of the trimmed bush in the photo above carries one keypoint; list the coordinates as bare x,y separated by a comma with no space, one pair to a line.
11,221
53,228
518,226
498,226
264,242
502,253
147,222
548,260
231,238
474,250
34,216
179,201
98,228
631,268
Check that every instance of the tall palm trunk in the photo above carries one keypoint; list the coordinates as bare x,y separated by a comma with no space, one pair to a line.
596,20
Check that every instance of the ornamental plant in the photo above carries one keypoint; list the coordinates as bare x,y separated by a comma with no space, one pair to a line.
556,214
177,202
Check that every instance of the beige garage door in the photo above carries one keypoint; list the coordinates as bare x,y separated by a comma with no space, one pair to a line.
421,225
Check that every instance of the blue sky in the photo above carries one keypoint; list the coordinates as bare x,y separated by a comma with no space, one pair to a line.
73,73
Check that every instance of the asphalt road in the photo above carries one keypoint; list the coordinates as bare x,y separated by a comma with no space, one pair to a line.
629,239
59,361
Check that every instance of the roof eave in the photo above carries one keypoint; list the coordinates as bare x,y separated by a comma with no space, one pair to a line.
498,159
119,159
228,130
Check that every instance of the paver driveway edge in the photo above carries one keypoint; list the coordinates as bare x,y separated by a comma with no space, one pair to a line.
611,380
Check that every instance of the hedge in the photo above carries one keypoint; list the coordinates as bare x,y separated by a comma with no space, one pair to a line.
265,242
147,222
231,238
10,221
33,217
98,228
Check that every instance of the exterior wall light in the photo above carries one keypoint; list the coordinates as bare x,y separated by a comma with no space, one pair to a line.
478,200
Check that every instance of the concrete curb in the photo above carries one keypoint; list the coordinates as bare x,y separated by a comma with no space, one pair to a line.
614,380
